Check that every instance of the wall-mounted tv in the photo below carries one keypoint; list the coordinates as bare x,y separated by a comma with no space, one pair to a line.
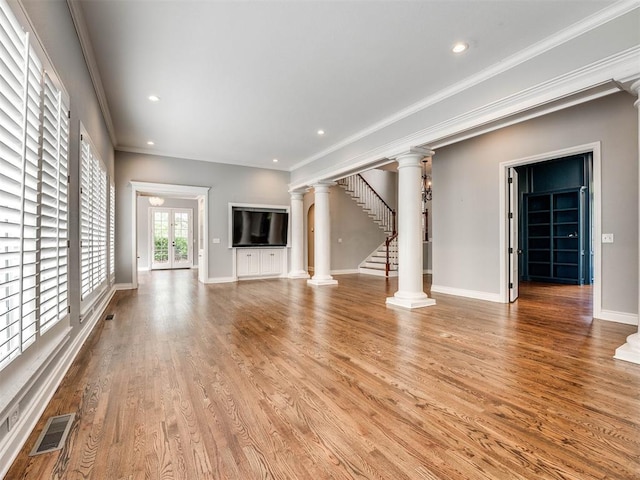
259,227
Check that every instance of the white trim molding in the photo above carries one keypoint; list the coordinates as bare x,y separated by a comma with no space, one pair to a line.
213,280
618,317
461,292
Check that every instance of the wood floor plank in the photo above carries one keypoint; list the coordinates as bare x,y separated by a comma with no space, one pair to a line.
273,379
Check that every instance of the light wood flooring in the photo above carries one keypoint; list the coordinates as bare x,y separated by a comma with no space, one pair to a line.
273,379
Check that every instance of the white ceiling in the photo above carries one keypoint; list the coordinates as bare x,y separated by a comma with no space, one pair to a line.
244,82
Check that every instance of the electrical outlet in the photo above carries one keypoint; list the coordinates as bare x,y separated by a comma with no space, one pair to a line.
607,238
14,416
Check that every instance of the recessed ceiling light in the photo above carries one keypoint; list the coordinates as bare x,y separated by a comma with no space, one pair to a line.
153,98
460,47
320,132
275,160
150,142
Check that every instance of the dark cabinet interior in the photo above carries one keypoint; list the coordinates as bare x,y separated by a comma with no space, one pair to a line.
553,241
555,224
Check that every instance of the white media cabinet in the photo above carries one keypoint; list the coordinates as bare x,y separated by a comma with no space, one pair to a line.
260,262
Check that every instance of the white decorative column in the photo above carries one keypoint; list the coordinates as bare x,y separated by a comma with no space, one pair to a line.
322,237
297,235
630,351
410,292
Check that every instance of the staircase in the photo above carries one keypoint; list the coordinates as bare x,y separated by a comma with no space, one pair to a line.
376,263
384,261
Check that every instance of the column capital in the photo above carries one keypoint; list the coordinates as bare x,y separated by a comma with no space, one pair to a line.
415,151
323,186
298,193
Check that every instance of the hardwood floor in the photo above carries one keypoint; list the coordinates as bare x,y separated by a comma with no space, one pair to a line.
272,379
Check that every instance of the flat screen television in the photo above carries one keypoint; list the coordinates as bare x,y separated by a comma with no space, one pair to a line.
258,227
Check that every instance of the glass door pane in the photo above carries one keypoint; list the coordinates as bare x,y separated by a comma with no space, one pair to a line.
181,239
160,238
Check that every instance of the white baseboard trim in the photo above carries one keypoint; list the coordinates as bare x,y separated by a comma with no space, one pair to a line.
619,317
144,269
221,280
460,292
38,401
344,272
123,286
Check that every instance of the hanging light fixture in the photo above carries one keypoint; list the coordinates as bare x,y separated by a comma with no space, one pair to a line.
156,201
427,193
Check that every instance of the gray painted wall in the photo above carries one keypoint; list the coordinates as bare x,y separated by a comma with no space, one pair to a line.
54,26
466,193
385,183
142,217
228,183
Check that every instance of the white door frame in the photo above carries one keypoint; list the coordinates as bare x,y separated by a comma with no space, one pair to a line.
165,189
594,149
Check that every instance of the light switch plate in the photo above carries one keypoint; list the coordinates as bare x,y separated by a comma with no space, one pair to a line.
216,240
607,238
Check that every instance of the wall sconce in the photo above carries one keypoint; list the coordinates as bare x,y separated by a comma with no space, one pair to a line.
156,201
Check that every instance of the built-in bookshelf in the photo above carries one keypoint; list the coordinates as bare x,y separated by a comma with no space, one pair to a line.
554,236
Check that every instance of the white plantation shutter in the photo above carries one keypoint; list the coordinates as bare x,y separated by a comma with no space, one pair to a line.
30,201
12,179
33,196
93,219
53,207
85,217
112,232
19,138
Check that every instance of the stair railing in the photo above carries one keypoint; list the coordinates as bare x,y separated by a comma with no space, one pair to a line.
371,201
387,244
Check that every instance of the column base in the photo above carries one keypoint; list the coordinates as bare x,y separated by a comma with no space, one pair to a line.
325,280
630,351
298,274
410,300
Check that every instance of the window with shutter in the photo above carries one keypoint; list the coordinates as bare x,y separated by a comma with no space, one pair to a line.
112,233
34,144
93,220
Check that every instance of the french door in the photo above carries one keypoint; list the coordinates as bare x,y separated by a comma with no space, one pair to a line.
171,238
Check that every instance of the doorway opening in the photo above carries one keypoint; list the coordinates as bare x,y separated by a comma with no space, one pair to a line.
551,208
200,194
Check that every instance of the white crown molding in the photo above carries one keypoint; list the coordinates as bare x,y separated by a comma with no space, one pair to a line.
90,59
599,18
566,90
159,153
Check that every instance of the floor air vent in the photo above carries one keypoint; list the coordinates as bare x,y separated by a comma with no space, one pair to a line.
54,434
110,316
